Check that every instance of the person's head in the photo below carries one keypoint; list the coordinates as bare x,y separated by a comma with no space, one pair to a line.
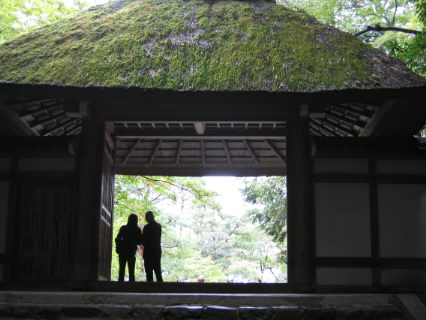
132,220
149,216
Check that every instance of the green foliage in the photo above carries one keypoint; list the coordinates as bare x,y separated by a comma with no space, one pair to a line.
195,45
411,50
421,10
198,240
17,16
356,15
270,196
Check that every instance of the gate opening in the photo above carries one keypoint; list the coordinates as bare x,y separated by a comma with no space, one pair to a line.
214,229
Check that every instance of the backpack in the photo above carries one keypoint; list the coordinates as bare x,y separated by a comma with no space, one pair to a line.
121,242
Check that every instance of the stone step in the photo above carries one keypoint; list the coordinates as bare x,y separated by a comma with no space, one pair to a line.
178,312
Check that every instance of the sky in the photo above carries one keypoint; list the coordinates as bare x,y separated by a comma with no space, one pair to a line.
229,195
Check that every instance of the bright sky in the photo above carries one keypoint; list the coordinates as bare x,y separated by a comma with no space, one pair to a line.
229,195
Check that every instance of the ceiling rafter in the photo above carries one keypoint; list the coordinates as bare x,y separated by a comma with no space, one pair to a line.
228,154
157,146
275,151
251,151
129,154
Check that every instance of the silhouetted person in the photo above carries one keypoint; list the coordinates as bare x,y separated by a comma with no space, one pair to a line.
151,241
126,242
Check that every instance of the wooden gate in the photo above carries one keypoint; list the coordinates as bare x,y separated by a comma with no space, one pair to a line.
106,210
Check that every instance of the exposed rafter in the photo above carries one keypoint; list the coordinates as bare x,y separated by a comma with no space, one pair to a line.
130,152
250,149
275,151
157,146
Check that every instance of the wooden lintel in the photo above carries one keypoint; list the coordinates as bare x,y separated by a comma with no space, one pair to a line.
275,150
129,154
250,149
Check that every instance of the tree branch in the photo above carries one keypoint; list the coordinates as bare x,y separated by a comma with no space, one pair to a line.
380,28
394,13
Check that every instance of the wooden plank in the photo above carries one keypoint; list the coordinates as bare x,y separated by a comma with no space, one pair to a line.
129,154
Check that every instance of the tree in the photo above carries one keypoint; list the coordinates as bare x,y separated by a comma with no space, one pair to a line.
17,16
270,197
391,25
199,239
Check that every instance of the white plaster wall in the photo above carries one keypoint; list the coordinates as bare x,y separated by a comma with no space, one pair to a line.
343,276
402,216
342,220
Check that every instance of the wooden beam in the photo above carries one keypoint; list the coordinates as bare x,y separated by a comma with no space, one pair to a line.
300,218
89,199
275,151
193,171
251,151
228,154
157,146
129,154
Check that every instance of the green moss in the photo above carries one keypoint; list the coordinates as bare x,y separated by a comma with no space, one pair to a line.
194,45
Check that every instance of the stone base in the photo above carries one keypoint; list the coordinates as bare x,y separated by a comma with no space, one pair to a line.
84,305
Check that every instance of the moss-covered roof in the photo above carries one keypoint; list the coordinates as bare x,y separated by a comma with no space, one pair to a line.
199,45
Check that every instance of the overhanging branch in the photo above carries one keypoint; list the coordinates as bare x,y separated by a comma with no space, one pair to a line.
380,28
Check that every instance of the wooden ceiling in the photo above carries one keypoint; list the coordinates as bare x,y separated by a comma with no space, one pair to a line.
144,146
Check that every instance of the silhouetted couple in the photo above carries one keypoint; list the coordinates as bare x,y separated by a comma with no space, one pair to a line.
127,240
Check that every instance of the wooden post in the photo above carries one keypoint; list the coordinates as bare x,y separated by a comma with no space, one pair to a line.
87,217
300,228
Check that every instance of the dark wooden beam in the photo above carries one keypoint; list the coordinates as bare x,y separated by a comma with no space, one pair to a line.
300,216
89,190
202,171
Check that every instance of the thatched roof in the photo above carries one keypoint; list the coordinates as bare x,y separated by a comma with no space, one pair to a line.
199,45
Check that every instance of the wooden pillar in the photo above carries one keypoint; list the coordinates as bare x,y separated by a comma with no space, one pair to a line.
300,222
85,266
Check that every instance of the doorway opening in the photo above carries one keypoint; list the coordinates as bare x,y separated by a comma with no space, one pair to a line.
220,229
